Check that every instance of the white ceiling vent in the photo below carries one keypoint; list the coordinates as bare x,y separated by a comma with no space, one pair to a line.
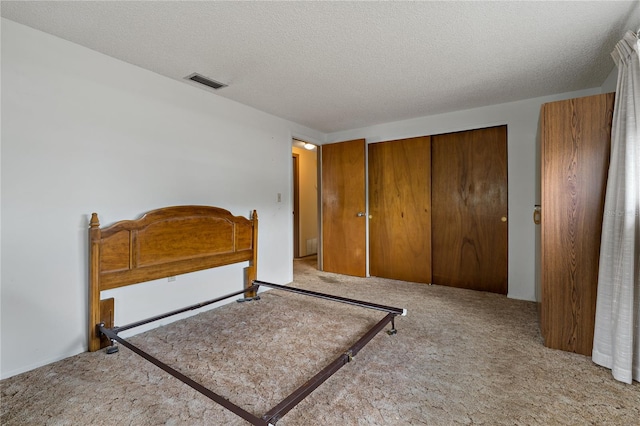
204,80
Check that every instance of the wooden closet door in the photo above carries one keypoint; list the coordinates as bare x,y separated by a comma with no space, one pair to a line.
344,246
400,209
469,209
575,146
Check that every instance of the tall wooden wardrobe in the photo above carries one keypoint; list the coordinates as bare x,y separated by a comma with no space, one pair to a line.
575,139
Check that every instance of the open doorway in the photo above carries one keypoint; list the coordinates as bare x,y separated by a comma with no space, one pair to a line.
305,199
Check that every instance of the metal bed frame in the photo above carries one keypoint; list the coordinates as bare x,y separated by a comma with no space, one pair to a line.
288,403
175,240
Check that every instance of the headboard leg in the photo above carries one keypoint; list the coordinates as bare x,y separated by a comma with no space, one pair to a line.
251,293
107,308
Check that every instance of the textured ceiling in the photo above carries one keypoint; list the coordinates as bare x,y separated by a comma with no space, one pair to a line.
341,65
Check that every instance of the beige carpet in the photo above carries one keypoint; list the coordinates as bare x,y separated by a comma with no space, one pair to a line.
460,357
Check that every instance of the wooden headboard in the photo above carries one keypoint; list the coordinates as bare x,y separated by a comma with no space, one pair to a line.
164,243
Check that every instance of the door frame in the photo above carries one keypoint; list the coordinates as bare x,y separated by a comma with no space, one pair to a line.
319,194
296,204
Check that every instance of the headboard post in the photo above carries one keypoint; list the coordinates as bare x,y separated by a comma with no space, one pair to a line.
94,282
253,263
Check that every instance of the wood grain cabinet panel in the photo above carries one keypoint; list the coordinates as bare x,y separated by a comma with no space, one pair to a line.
575,144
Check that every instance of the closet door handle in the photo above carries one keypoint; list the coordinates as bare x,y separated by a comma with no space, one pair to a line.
536,214
361,214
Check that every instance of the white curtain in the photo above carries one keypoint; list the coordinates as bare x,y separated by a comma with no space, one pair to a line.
617,330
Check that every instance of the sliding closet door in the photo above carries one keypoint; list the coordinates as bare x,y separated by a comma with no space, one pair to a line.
469,209
400,209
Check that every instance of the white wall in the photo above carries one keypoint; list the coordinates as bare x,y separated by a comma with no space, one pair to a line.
521,119
83,133
610,83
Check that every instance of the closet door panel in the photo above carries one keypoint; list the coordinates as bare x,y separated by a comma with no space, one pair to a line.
469,209
400,209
